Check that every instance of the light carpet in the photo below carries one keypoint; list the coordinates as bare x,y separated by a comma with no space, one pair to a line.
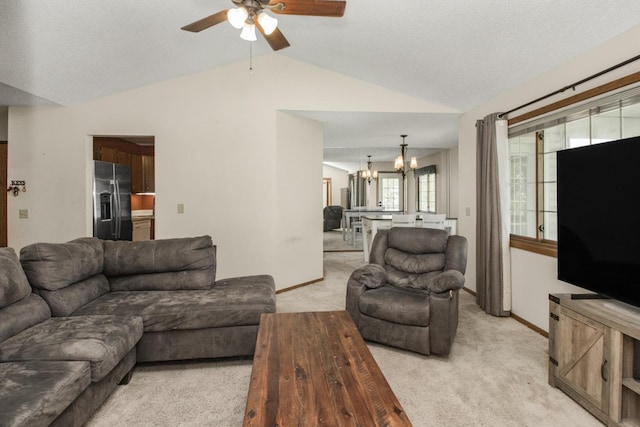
333,242
496,374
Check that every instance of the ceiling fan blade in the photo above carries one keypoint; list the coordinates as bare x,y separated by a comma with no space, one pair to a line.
209,21
332,8
276,39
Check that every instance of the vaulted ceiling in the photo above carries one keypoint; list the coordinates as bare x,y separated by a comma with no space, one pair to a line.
451,52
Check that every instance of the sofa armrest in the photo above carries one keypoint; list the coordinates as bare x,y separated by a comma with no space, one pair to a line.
371,276
361,279
448,280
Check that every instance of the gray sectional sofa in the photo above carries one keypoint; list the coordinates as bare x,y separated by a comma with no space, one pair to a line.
75,317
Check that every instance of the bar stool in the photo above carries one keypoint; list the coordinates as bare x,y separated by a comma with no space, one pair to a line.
356,230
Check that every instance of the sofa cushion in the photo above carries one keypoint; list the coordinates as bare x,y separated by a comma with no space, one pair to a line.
231,302
35,393
65,301
414,263
136,265
53,266
417,240
409,280
101,340
398,305
21,315
13,282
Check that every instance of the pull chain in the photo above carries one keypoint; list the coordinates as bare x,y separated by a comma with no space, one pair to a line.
250,57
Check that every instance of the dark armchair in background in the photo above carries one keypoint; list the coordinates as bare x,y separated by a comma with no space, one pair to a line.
407,296
332,217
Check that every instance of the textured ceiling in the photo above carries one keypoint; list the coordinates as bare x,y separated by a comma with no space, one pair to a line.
451,52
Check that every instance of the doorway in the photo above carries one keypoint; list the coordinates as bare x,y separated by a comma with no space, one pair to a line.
137,152
326,192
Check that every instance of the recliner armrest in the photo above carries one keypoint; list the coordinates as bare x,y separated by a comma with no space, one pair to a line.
371,276
448,280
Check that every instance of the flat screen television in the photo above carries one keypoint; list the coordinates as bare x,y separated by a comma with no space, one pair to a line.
598,195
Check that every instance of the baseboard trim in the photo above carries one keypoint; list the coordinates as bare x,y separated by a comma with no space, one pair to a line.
301,285
530,325
518,319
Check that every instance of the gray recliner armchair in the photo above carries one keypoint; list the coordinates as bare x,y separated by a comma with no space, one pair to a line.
407,296
332,217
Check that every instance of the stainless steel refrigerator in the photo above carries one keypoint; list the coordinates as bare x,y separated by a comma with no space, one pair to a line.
112,201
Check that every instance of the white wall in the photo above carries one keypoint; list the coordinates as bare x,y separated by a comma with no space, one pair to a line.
208,127
533,276
299,146
339,180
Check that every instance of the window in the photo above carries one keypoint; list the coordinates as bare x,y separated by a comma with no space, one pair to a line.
426,189
390,191
532,158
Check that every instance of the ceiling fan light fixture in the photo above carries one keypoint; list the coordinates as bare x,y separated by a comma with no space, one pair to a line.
237,17
248,32
268,23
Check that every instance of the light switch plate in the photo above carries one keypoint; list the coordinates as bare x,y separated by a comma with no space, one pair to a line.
180,208
23,213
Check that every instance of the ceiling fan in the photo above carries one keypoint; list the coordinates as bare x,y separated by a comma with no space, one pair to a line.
250,14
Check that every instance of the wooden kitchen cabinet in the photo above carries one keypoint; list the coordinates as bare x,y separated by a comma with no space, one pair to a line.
142,174
148,174
106,154
593,347
112,155
140,158
137,179
141,229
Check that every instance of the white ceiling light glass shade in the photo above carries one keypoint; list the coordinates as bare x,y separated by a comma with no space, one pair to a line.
268,23
399,164
248,32
236,17
414,163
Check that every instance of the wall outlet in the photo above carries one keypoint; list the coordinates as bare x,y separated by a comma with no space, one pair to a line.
23,213
180,208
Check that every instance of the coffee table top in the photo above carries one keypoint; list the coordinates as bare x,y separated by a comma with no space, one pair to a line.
315,369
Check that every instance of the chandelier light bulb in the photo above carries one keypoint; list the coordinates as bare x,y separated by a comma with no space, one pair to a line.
414,163
248,32
268,23
236,17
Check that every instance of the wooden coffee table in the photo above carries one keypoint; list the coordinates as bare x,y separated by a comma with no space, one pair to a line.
313,369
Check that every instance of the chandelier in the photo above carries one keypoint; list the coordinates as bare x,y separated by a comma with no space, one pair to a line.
245,18
401,161
369,174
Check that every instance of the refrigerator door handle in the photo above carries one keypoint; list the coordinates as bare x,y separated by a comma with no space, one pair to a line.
118,215
115,216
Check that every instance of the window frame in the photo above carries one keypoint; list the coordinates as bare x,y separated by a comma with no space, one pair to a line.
539,244
382,175
432,182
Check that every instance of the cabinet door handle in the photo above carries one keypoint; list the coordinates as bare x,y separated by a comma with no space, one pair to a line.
602,370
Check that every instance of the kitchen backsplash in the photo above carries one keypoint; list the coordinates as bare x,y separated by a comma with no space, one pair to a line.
142,202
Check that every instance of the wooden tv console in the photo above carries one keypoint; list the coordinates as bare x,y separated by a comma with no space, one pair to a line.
591,356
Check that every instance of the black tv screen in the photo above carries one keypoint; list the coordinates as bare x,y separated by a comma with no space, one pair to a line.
599,218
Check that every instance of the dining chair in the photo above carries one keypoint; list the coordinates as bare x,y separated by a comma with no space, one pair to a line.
433,221
404,220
